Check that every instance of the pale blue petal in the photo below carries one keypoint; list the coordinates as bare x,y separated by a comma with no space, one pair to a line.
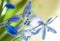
52,30
48,20
44,33
36,31
51,20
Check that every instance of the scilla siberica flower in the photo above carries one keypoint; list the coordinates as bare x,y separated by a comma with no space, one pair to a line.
45,25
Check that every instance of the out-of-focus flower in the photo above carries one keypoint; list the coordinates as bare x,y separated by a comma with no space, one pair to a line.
10,6
11,30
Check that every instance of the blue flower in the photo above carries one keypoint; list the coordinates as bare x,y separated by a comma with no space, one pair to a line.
27,10
11,30
44,25
15,18
10,6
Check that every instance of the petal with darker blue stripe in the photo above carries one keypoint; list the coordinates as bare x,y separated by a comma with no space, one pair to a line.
52,30
44,33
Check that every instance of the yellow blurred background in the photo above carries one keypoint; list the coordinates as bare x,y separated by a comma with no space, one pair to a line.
45,8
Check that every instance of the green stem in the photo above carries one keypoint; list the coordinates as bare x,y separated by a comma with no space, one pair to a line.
1,7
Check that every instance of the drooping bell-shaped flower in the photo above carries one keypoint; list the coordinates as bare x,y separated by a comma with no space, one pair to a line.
10,6
11,30
15,18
